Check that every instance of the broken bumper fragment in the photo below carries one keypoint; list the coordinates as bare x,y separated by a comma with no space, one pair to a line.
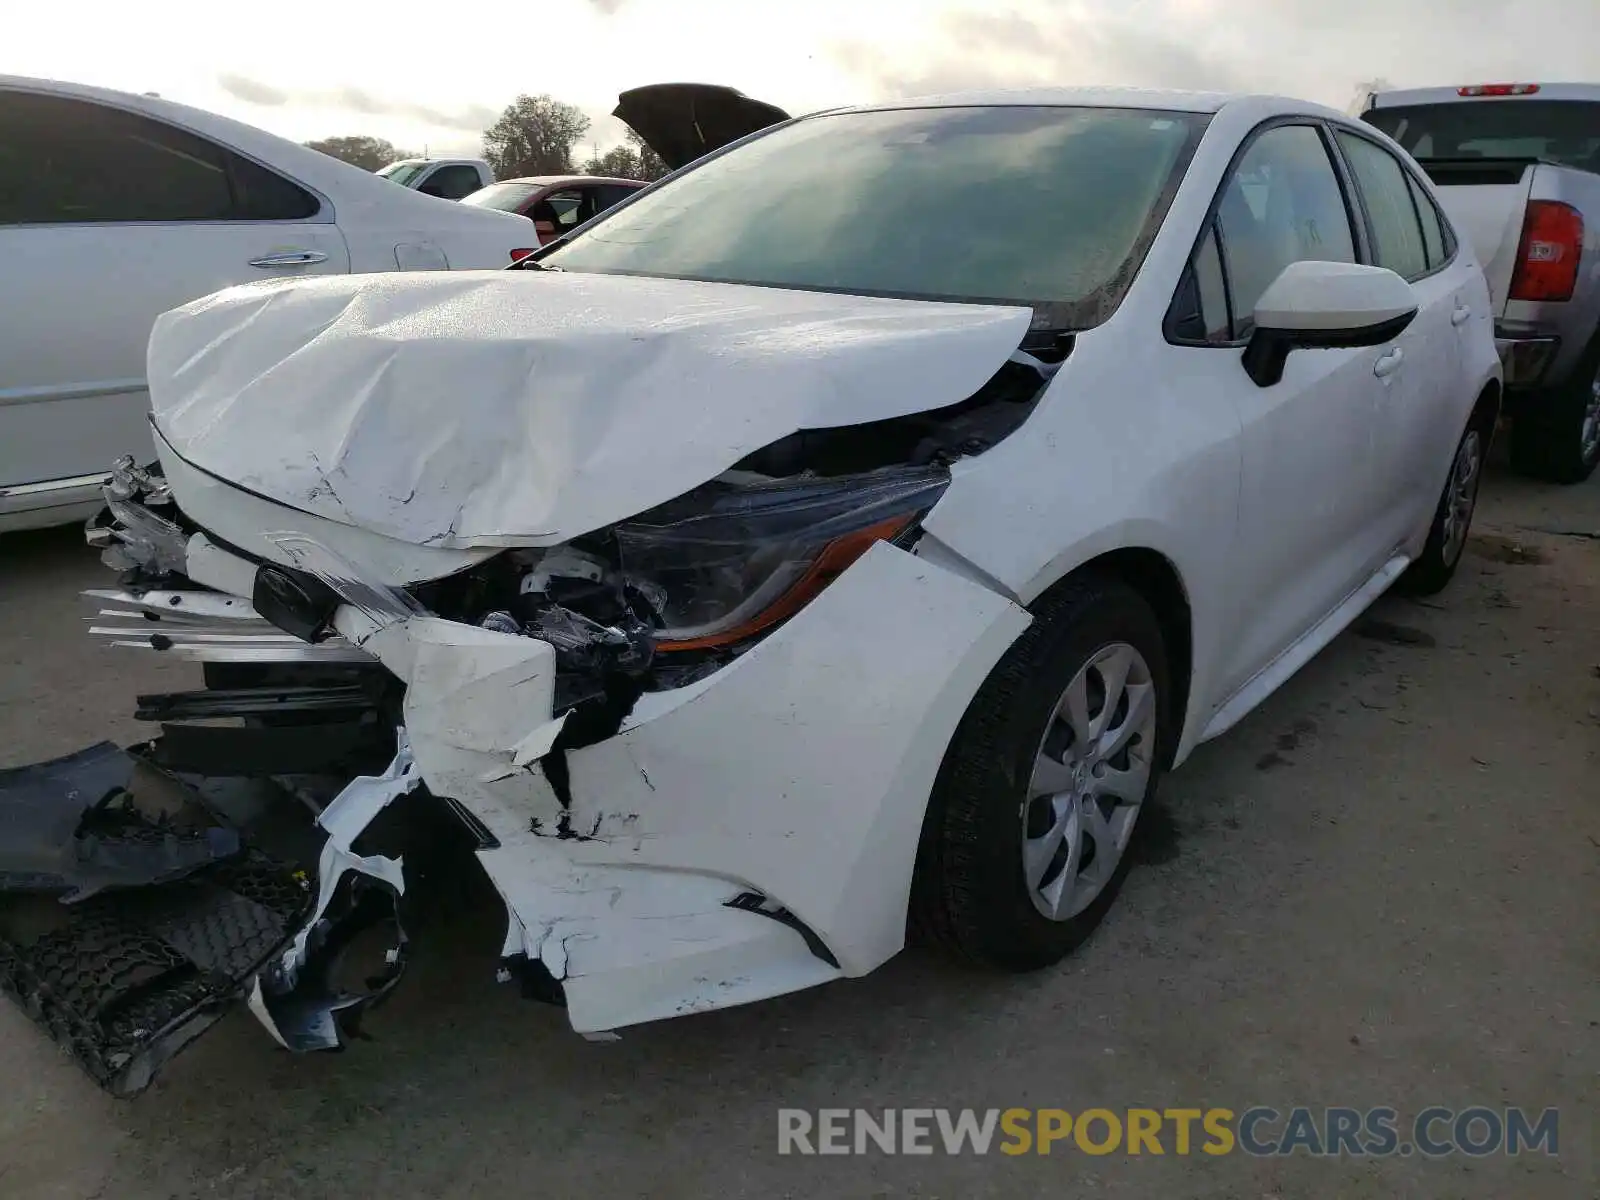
126,934
132,916
66,832
299,996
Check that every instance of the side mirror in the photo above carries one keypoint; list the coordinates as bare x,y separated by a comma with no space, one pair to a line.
1325,306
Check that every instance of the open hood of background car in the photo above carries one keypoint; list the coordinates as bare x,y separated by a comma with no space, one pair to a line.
683,121
508,408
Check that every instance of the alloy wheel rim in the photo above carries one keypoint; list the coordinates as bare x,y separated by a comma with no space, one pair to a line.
1461,495
1088,782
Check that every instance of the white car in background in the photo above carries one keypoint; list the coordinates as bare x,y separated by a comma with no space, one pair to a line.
115,208
447,178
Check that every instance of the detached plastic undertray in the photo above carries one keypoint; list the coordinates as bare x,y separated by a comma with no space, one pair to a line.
131,914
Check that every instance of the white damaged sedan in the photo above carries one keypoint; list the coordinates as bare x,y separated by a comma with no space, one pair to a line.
838,538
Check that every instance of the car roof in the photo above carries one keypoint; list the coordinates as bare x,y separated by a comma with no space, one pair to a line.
545,180
224,129
1160,99
1086,97
310,167
357,190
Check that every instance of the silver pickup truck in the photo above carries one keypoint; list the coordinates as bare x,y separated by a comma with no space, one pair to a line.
1517,166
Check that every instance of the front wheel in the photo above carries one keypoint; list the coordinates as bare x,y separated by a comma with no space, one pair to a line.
1025,844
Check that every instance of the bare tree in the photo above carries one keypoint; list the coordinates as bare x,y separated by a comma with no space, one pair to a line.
650,164
368,153
534,136
619,162
631,160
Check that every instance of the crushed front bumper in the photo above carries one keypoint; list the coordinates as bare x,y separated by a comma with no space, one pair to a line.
744,836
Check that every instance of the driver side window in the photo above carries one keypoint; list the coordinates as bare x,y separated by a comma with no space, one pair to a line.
1281,204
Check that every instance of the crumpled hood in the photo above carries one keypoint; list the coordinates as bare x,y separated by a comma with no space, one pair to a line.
528,407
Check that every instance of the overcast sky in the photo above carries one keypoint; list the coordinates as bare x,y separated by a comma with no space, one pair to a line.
435,74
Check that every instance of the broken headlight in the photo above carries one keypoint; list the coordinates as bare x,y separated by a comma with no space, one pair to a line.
720,571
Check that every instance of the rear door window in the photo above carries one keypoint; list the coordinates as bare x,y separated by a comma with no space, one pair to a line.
1433,239
68,161
1387,194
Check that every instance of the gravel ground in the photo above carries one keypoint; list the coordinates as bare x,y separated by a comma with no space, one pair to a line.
1381,889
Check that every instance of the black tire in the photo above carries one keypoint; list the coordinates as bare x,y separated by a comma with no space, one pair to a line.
1441,554
969,896
1547,434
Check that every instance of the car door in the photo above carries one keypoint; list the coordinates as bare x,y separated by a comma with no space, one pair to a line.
1421,392
107,219
1306,536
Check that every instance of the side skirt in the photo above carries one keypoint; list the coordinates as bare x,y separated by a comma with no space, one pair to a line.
1276,673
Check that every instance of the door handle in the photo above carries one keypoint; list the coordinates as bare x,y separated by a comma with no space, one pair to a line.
290,258
1389,363
1461,315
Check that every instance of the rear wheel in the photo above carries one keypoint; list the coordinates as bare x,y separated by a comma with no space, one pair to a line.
1025,845
1452,520
1556,437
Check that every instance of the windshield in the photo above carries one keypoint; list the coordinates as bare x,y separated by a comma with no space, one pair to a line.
401,172
507,197
1566,132
1041,206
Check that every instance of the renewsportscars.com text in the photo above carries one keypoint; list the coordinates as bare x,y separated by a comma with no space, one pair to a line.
1260,1131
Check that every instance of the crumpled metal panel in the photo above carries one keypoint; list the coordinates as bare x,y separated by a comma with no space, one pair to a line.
324,393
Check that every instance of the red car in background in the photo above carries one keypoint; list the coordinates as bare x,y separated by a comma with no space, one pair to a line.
556,204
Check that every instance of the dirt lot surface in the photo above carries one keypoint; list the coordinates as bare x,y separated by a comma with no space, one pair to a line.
1383,888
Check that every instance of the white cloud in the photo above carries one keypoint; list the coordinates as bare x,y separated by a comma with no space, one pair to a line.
1316,49
419,75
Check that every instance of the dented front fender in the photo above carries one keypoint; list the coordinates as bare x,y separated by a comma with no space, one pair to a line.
710,853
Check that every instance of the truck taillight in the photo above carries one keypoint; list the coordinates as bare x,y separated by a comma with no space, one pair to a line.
1499,89
1547,258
